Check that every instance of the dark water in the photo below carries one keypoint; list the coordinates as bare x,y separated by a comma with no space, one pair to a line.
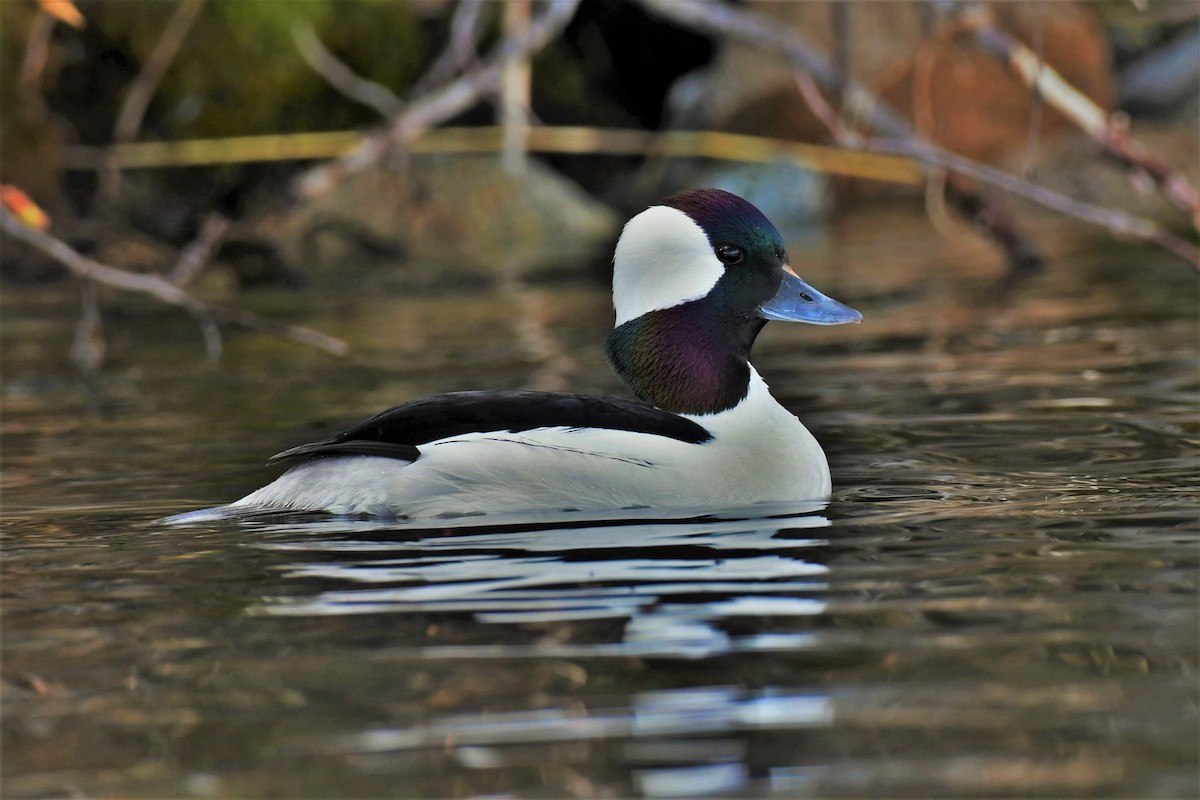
1000,600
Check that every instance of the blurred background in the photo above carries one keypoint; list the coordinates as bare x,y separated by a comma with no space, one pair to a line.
137,127
230,226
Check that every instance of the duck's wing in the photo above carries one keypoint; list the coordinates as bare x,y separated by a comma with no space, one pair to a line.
399,432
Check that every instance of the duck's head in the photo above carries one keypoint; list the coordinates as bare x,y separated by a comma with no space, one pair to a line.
695,278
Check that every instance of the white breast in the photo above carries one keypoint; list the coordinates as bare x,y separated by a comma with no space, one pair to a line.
759,453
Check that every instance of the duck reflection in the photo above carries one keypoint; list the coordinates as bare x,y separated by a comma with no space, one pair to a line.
729,655
673,582
656,591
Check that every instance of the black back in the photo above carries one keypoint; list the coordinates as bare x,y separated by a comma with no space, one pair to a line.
398,432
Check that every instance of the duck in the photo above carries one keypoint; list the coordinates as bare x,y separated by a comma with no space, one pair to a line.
696,277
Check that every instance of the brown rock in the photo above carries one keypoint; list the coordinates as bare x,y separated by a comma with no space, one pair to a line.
438,220
960,96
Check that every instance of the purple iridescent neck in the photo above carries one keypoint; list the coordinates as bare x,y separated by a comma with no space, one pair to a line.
687,359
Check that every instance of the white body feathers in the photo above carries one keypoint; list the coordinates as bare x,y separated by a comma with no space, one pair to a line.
694,280
759,453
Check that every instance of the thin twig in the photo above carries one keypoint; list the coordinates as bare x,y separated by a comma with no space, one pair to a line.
727,22
341,77
159,288
1116,221
459,54
840,22
197,254
141,90
1038,106
442,104
842,133
33,68
937,181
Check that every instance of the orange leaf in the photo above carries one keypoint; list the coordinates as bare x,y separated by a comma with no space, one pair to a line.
24,209
64,11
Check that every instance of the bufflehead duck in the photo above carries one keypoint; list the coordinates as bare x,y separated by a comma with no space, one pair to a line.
695,278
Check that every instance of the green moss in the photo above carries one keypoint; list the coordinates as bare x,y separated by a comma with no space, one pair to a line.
239,72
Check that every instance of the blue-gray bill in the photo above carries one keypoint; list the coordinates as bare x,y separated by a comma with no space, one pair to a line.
796,301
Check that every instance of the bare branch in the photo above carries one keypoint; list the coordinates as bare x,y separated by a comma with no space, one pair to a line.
442,104
1039,102
840,20
1081,110
939,187
459,54
726,22
141,90
842,134
197,254
341,77
1116,221
33,67
137,99
159,288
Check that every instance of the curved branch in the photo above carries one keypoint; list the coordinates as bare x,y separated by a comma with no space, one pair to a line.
1108,131
443,103
341,77
1116,221
724,21
137,98
160,289
459,54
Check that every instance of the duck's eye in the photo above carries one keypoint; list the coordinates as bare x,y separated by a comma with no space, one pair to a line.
729,254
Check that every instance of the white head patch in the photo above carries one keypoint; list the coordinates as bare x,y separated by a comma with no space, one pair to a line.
663,259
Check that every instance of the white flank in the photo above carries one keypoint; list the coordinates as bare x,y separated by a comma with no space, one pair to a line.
759,453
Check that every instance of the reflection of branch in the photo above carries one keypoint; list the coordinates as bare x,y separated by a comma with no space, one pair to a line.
88,347
137,98
443,103
1080,109
340,76
161,289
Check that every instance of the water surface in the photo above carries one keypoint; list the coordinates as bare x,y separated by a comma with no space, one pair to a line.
1000,599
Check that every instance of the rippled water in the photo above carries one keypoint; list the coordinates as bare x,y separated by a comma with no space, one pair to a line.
1001,599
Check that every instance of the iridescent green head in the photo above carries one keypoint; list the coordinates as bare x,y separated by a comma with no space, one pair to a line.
694,280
